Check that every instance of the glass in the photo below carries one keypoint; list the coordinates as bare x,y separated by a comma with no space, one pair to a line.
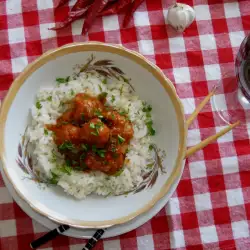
232,98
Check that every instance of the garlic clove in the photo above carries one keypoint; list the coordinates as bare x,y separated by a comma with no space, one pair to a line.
180,16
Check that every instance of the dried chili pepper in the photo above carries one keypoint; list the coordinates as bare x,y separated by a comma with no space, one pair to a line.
74,15
81,4
93,10
115,7
132,8
61,3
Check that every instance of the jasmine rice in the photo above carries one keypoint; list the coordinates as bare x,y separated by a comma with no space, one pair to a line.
51,103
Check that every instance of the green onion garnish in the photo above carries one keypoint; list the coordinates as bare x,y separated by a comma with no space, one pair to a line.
120,139
92,125
38,105
62,80
118,173
85,147
49,98
98,113
104,81
66,145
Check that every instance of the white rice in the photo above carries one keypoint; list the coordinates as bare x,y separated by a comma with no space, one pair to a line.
80,184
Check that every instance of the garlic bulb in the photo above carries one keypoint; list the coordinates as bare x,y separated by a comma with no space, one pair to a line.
180,16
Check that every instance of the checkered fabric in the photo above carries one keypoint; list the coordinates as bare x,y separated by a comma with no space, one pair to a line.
211,206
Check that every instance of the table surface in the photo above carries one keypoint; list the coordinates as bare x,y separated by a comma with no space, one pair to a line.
211,206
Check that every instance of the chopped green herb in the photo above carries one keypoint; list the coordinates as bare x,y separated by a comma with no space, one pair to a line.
102,96
100,87
82,116
92,125
112,98
100,152
123,112
62,80
66,169
96,126
72,92
120,139
113,149
147,108
82,157
66,145
118,173
46,132
113,117
151,147
105,162
38,105
149,125
98,113
151,131
104,81
49,98
68,163
85,147
94,133
54,179
94,148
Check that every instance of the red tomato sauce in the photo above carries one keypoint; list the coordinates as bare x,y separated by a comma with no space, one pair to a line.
92,136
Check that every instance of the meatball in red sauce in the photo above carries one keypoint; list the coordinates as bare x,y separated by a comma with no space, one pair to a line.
65,133
95,132
86,107
96,136
110,164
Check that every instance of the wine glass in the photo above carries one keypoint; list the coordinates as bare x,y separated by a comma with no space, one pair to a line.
232,98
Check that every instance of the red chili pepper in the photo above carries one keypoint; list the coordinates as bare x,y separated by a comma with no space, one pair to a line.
114,8
61,3
93,10
81,4
132,8
74,15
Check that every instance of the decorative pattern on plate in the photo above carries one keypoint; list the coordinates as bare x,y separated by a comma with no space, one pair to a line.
105,68
25,162
149,179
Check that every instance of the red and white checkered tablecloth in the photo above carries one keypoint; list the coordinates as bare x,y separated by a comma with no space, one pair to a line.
211,206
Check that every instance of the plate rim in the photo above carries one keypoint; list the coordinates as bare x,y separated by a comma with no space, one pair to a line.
142,61
73,234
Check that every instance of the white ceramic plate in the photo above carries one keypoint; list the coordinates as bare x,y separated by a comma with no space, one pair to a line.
88,233
150,84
